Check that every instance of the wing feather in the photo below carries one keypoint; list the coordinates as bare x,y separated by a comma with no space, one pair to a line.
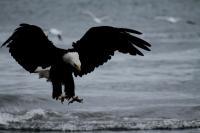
30,47
99,43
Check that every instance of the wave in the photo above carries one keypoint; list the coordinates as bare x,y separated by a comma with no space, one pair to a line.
42,120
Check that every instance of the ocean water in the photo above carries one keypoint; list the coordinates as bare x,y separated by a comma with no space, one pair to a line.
157,93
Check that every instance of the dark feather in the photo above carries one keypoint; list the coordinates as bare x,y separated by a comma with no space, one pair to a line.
31,48
129,30
99,44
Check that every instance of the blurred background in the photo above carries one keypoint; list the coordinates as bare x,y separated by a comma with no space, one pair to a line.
157,91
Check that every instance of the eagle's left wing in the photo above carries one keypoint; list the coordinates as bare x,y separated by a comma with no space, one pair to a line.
99,44
31,48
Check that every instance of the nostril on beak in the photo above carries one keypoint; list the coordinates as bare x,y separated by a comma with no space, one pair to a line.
77,67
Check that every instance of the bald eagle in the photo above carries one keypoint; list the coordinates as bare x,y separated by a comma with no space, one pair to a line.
32,49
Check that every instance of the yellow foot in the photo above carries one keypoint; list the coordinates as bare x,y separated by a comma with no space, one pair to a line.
75,99
70,99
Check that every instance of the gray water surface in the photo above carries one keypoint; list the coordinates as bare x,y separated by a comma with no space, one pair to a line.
155,93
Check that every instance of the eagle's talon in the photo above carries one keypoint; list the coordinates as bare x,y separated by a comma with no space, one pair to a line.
75,99
67,97
61,98
71,99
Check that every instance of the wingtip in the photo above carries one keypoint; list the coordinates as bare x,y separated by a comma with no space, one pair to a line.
141,54
131,31
136,32
7,41
3,45
10,38
147,44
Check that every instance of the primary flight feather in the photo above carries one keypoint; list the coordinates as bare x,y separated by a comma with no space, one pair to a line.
31,48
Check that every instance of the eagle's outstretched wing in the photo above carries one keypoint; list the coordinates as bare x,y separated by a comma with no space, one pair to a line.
30,47
99,44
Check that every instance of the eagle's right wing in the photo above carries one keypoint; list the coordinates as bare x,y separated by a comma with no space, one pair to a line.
30,47
99,43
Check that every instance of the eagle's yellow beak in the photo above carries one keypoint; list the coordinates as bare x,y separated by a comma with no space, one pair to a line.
78,67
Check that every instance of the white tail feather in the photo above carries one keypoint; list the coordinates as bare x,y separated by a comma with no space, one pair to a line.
43,73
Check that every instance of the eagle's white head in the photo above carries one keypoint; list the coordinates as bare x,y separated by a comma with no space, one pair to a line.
72,58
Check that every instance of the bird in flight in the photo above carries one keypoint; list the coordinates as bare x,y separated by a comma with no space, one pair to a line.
96,19
32,49
55,32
